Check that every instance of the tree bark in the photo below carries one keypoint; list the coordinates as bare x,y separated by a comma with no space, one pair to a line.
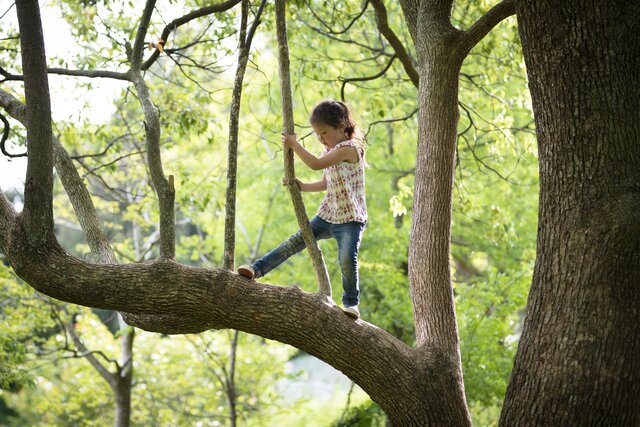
229,251
244,47
577,362
38,200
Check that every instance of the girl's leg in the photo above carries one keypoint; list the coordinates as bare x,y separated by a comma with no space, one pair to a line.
348,236
290,247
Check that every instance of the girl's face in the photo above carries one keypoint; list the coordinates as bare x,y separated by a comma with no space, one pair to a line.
328,135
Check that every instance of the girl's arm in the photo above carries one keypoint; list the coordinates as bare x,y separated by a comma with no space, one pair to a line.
312,187
342,154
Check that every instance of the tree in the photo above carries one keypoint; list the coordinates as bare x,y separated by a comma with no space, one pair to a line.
169,297
426,381
577,363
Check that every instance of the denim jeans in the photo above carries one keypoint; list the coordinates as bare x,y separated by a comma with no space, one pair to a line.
348,236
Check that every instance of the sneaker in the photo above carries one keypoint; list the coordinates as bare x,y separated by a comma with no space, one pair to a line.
247,271
352,311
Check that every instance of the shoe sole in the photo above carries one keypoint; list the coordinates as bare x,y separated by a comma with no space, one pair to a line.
246,273
352,315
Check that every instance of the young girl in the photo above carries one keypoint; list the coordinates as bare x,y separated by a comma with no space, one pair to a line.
343,212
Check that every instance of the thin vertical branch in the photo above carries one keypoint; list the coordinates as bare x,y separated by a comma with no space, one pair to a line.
232,147
289,171
231,385
244,48
38,205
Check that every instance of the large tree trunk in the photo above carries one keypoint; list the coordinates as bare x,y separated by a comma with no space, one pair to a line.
429,250
578,361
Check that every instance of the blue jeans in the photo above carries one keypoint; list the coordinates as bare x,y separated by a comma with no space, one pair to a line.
348,236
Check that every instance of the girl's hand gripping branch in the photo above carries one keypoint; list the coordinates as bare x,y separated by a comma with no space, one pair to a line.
342,154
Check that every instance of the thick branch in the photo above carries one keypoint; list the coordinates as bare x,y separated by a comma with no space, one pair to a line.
486,23
394,41
173,25
289,172
38,205
174,295
76,73
8,216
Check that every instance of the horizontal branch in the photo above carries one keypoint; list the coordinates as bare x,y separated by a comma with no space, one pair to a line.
66,72
178,297
90,73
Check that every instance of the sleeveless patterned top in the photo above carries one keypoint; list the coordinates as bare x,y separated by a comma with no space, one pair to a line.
345,200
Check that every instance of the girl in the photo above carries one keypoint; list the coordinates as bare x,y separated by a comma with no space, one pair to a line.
343,212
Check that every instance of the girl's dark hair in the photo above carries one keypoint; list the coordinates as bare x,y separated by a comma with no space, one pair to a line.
335,114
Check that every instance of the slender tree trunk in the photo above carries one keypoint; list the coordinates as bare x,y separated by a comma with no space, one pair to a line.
38,201
577,362
429,249
124,380
228,261
232,393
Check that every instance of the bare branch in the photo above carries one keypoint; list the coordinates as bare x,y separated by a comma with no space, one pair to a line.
486,23
319,265
346,80
75,73
173,25
390,121
90,73
7,76
103,152
329,28
138,45
90,356
394,41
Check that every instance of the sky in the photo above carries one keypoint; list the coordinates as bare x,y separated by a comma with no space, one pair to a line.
67,103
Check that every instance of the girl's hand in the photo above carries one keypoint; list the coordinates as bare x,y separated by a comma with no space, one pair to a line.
287,182
289,141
